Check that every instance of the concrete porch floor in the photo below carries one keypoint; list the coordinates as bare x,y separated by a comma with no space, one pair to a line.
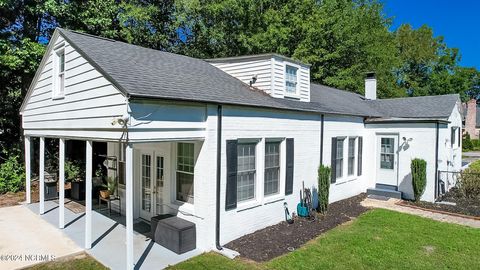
108,238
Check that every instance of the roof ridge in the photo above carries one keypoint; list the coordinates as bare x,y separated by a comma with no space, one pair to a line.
86,34
415,97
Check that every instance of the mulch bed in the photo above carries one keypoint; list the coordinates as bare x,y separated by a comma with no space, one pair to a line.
11,199
276,240
469,207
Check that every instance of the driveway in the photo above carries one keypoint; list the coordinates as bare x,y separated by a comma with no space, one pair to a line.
468,157
27,239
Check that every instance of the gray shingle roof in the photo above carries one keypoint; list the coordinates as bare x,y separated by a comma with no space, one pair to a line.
146,73
416,107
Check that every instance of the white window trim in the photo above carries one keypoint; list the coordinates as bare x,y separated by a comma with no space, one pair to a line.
345,177
297,90
55,54
279,169
189,207
258,189
260,199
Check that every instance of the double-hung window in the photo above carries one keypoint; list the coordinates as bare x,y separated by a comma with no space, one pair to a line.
291,80
272,168
59,84
339,158
185,168
351,156
246,171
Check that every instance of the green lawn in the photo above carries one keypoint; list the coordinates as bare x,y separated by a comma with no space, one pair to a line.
379,239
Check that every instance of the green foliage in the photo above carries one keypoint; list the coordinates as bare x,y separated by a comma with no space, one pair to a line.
469,182
111,185
467,144
73,170
419,177
323,188
12,175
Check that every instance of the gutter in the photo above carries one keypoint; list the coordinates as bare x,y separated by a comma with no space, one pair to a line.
321,138
219,177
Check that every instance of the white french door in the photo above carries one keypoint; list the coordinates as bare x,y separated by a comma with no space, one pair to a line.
152,176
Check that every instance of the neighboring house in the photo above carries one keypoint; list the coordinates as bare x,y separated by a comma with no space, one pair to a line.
472,118
198,141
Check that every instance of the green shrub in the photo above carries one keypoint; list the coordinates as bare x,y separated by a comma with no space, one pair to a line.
419,177
73,170
323,188
475,166
469,182
12,175
467,144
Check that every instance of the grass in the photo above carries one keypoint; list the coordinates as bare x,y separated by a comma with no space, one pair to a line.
379,239
80,262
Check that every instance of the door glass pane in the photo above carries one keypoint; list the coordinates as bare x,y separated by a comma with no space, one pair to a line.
387,155
146,182
159,179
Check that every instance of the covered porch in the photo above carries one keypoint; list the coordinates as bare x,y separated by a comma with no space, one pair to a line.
154,178
108,240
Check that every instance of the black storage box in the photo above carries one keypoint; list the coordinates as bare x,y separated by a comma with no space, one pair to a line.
175,234
154,221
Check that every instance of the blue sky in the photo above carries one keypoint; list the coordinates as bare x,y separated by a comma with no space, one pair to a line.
457,21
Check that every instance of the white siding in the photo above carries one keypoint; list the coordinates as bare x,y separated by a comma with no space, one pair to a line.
270,75
245,70
90,101
303,83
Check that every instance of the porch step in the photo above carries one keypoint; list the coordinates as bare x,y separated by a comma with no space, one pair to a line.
385,193
385,186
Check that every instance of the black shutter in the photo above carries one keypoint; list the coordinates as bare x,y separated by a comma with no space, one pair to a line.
333,163
231,193
459,136
452,136
360,149
289,167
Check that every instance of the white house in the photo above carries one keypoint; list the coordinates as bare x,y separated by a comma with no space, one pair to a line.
224,143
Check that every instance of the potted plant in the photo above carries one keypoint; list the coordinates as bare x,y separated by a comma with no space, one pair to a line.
110,188
73,173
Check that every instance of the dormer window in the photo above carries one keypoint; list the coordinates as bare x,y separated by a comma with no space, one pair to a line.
290,80
59,83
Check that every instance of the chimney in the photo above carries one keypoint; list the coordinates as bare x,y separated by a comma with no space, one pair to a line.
471,118
371,86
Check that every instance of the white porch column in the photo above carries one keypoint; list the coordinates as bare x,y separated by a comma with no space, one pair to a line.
61,183
88,196
41,186
129,204
28,171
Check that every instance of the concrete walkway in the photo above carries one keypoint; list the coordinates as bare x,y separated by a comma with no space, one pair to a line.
109,237
27,239
390,204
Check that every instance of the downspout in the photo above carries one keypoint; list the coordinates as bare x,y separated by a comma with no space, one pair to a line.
321,138
437,127
219,172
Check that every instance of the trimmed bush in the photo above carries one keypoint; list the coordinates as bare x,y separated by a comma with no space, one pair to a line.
12,175
467,144
419,177
323,188
469,182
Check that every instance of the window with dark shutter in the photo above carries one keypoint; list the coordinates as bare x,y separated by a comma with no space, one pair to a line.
231,192
333,161
289,166
452,136
459,136
360,149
